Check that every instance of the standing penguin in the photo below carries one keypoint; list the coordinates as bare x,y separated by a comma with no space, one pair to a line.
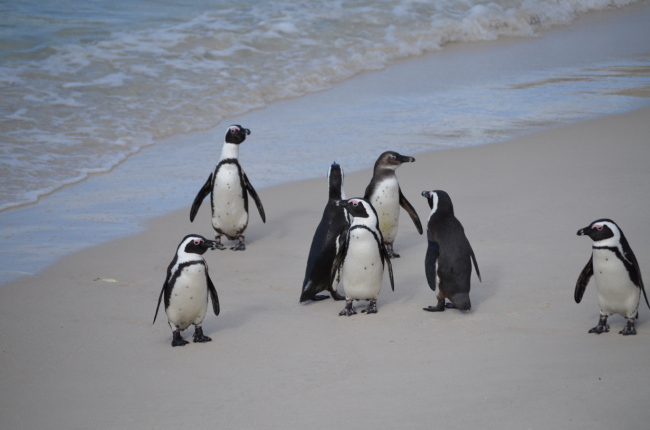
186,289
325,243
447,263
384,194
617,273
362,257
229,188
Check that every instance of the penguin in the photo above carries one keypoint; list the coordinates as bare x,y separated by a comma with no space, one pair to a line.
384,194
229,188
617,274
361,258
447,263
186,289
326,241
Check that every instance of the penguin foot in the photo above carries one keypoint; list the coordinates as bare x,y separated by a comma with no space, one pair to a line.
372,307
450,305
178,340
319,297
600,329
440,307
199,337
602,326
629,329
241,246
348,310
218,244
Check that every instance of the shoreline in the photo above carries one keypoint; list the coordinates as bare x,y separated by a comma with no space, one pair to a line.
76,349
346,123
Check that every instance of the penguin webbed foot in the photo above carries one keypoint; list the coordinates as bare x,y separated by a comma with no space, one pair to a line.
199,337
218,244
177,339
241,245
319,297
440,307
372,307
348,310
629,329
602,326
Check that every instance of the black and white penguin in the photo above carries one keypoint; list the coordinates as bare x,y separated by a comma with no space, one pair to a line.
186,289
325,244
617,273
384,194
229,187
361,259
447,263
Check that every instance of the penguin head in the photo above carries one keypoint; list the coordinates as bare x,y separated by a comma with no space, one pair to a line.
195,244
601,229
439,201
357,207
335,177
392,160
236,134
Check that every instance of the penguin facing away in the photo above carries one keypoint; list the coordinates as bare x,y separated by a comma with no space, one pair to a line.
186,289
384,194
362,257
229,188
617,273
326,242
447,263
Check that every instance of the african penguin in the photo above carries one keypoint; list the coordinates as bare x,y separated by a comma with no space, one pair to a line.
229,187
617,274
362,257
384,194
325,243
186,289
448,262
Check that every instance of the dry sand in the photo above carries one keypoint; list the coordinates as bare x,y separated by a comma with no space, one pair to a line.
81,353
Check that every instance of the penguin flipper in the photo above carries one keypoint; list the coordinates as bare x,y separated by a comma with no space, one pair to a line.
629,255
159,300
410,210
583,280
205,190
213,295
255,197
431,263
390,267
478,272
338,261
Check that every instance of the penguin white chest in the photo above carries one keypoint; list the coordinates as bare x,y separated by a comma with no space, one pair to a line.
362,271
188,301
385,200
229,215
617,294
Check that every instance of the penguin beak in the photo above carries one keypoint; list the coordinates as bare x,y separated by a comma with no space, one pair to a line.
247,131
583,231
425,194
341,203
406,159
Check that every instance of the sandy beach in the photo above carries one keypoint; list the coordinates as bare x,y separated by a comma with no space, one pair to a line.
79,352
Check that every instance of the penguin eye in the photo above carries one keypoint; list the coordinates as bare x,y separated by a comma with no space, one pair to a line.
355,203
392,157
599,227
197,241
234,129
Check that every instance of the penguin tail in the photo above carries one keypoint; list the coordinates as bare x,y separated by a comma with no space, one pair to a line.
461,301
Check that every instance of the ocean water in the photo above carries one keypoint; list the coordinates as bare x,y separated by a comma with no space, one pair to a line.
129,100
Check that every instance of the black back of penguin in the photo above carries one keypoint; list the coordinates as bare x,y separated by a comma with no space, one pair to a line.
324,247
451,250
